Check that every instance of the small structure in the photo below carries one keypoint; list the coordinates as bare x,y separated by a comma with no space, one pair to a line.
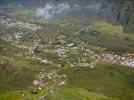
62,83
47,62
71,45
36,82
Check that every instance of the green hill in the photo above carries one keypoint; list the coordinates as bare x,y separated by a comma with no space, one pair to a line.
76,94
111,80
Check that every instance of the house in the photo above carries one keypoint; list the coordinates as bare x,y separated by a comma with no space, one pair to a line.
71,45
47,62
36,82
62,83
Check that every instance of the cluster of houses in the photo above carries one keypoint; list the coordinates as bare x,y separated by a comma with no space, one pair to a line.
102,57
65,50
15,34
110,58
128,62
9,23
52,79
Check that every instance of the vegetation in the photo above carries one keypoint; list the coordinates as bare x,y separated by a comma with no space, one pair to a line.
59,61
105,78
76,94
106,35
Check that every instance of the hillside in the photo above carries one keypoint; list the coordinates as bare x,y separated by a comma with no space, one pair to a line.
59,50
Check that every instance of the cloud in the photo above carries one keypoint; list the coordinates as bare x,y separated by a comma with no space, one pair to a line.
51,10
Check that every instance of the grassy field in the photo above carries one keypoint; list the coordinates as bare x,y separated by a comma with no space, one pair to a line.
76,94
104,34
111,80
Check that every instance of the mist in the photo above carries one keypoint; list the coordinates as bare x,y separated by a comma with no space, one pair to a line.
51,10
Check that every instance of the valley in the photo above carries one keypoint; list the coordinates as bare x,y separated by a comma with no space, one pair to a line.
66,57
